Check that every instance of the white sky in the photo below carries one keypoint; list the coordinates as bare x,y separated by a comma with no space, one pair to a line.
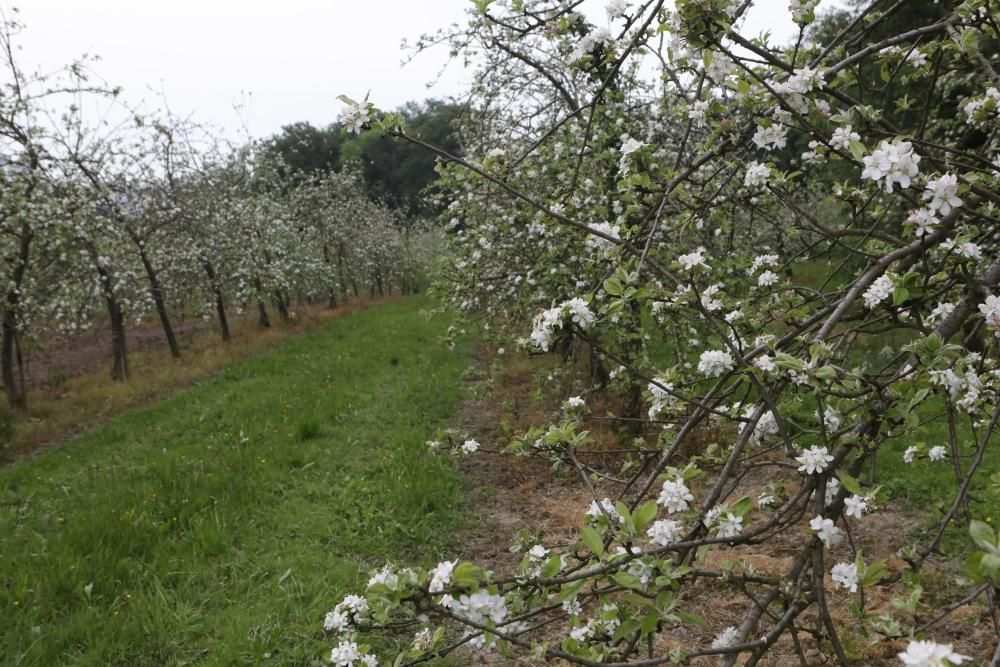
285,61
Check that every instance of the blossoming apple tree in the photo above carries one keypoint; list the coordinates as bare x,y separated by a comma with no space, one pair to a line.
738,228
112,214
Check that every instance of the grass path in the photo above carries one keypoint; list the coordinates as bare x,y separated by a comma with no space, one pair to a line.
218,526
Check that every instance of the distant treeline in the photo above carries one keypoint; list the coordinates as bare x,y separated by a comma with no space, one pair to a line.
394,172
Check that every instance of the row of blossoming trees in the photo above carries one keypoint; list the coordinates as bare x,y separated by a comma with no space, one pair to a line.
790,248
110,216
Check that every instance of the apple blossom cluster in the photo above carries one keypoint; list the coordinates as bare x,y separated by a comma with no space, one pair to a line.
674,496
714,363
894,162
756,175
982,111
355,116
923,653
786,321
547,322
879,291
802,10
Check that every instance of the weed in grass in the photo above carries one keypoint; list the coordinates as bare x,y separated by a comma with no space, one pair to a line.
307,429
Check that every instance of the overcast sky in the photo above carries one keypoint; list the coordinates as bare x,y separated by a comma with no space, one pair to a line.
284,61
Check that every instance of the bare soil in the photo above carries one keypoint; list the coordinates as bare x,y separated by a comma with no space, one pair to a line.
60,356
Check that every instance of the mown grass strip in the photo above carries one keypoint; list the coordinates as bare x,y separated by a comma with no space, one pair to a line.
219,525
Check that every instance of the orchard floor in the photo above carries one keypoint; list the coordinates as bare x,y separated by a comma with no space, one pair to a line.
219,525
528,496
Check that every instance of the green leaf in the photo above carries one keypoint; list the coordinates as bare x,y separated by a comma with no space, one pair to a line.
466,574
828,373
613,286
570,590
627,580
742,506
648,623
850,483
552,566
983,536
644,514
694,618
625,629
623,512
900,296
482,5
858,150
874,573
640,601
991,565
592,539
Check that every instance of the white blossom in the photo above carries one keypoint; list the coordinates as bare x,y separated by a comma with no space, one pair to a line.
537,552
726,638
923,220
880,290
771,137
664,532
693,259
629,146
757,175
608,507
855,506
825,530
729,525
937,453
843,136
355,116
441,576
893,161
990,308
602,244
345,654
925,653
615,9
943,194
814,460
767,278
765,363
845,575
714,363
675,496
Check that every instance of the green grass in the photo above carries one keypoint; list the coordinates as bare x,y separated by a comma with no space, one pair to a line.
218,526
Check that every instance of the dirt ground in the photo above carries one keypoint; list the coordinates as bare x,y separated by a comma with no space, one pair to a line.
514,494
59,356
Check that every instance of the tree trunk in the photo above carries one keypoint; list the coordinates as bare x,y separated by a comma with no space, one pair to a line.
17,393
332,300
340,268
156,290
220,306
282,306
17,396
119,353
262,319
